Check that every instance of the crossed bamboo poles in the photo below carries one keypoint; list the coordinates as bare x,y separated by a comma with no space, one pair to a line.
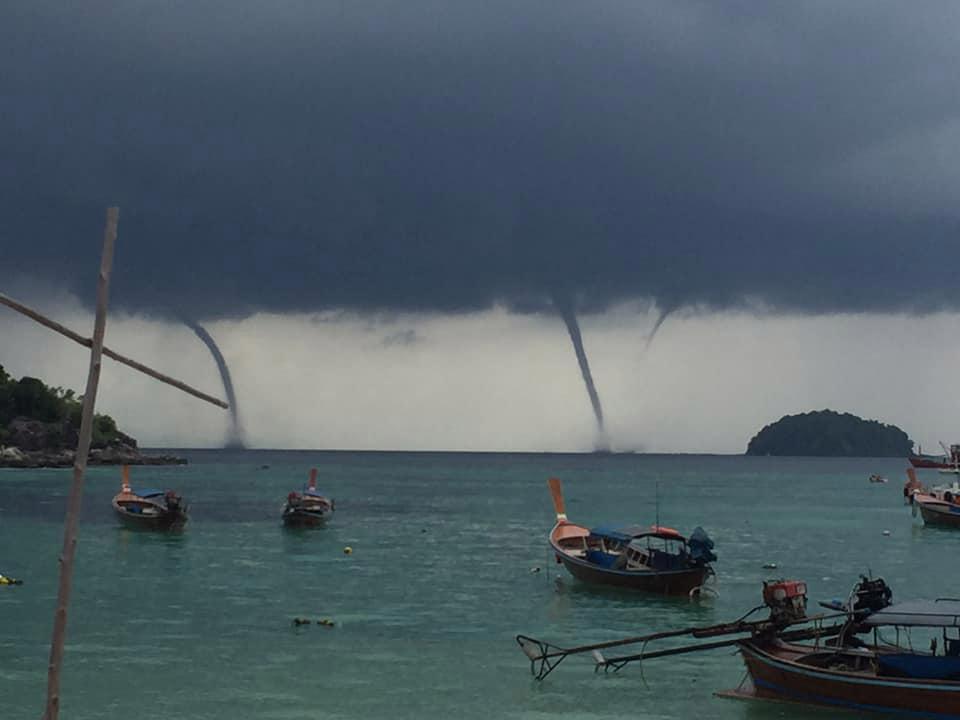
71,520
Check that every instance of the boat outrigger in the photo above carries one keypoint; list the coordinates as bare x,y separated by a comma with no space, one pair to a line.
148,508
309,507
817,659
655,559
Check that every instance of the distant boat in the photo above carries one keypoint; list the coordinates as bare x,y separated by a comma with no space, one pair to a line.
877,479
656,559
148,508
307,507
950,460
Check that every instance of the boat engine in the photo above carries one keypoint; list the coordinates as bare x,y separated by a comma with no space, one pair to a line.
787,600
172,500
870,595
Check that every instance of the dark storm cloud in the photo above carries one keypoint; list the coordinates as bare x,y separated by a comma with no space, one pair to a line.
412,154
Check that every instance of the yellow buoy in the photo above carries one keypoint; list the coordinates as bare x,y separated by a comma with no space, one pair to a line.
347,550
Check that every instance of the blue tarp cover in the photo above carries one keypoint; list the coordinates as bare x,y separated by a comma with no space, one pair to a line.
601,558
148,493
929,667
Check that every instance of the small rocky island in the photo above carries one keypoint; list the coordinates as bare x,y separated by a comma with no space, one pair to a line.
39,427
826,433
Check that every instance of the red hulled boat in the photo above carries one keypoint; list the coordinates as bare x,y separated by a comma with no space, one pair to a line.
950,460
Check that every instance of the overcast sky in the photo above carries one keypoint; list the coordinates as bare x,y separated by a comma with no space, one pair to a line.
390,200
501,381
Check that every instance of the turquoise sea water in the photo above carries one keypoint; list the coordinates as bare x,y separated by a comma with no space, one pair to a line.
198,624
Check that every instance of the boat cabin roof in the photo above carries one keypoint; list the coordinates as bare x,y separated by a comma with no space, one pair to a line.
918,613
634,532
147,492
313,492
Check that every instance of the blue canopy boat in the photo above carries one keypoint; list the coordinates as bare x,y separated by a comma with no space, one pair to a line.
655,559
148,508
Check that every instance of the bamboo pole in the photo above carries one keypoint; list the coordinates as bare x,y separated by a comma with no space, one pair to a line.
79,466
87,342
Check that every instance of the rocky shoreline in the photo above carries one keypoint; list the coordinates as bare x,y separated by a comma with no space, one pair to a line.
13,457
34,444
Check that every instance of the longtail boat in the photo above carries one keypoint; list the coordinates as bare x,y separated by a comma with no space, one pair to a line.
148,508
307,507
657,559
840,659
939,505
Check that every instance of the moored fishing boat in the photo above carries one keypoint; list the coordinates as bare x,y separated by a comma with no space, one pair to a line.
939,505
148,508
847,663
307,507
878,676
656,559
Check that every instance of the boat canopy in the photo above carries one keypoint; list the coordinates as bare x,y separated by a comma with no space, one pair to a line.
624,534
313,492
632,532
147,492
918,613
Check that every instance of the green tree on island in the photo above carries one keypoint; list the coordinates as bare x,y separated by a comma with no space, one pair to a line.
30,398
826,433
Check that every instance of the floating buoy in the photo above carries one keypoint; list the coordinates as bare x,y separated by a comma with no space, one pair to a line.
347,550
4,580
886,532
770,566
534,570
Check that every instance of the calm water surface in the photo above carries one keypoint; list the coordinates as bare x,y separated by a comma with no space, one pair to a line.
198,624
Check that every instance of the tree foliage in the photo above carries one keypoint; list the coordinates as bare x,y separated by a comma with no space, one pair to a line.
827,433
30,398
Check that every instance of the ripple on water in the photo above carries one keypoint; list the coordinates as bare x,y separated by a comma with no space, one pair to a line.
197,624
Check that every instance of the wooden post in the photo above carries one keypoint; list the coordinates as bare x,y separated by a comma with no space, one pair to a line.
87,342
79,466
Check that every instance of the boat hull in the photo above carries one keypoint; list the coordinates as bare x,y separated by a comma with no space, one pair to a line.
777,678
668,582
305,518
931,462
940,513
162,521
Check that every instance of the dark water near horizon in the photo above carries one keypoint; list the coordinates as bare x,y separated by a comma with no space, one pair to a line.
198,624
